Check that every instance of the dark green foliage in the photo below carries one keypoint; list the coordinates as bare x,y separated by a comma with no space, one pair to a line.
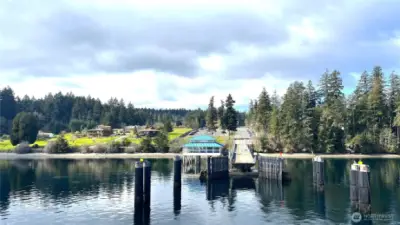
230,115
25,128
114,147
77,125
263,110
211,116
161,142
323,120
146,145
195,119
60,145
61,112
126,142
168,126
221,115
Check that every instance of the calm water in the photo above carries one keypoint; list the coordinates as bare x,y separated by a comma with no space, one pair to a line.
101,192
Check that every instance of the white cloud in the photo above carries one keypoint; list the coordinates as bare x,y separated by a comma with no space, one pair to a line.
180,53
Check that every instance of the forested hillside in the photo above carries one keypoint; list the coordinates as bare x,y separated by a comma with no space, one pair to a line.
56,112
65,112
322,119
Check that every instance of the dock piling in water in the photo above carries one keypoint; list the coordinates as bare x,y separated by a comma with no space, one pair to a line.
138,183
146,182
354,170
318,172
217,167
360,190
177,171
271,168
364,191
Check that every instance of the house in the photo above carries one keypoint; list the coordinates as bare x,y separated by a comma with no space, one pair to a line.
118,131
100,131
148,132
202,144
45,135
129,129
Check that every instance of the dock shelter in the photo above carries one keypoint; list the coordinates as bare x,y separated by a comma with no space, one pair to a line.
202,144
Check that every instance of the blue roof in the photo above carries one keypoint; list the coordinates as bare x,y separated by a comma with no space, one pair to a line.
202,138
203,145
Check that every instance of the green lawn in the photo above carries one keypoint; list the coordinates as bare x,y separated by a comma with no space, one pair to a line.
76,142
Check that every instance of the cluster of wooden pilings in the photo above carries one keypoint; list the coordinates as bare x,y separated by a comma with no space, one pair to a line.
360,190
142,192
271,168
191,164
217,167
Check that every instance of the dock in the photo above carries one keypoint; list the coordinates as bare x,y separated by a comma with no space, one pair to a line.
242,155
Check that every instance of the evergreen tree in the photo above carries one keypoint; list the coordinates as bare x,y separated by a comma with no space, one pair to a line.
376,103
230,115
168,126
25,128
211,117
161,142
221,115
147,146
263,110
393,96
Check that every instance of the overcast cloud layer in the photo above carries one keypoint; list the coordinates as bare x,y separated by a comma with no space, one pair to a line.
179,53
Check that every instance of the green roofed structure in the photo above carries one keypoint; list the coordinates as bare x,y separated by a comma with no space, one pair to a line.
202,144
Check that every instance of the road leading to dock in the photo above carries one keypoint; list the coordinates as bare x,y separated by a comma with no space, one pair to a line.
243,153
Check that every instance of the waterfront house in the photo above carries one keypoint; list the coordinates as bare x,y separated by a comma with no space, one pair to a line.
148,132
100,131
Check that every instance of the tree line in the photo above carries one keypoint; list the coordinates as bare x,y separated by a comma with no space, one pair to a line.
63,112
322,119
67,112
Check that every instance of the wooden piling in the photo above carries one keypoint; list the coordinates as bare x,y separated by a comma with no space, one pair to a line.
318,171
364,191
197,164
177,170
138,184
271,168
354,171
146,182
217,167
177,192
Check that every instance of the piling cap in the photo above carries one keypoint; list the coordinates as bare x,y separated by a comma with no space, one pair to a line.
318,159
364,168
178,157
138,164
146,163
355,166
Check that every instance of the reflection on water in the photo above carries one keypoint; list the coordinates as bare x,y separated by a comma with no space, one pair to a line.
101,192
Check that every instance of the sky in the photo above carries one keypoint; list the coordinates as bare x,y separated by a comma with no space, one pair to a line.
177,54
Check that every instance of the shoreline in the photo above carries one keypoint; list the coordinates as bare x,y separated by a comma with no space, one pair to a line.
333,156
5,156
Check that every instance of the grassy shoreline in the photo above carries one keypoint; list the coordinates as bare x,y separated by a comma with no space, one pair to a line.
6,146
172,155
